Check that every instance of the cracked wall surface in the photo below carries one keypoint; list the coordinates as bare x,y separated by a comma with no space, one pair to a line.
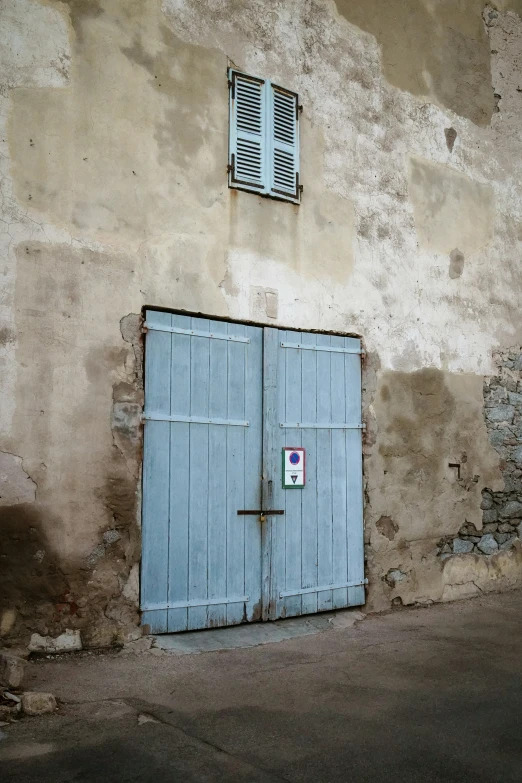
114,128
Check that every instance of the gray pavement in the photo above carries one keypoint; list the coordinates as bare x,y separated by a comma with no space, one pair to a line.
431,694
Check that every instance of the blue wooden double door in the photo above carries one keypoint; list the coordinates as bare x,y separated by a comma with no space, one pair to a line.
223,541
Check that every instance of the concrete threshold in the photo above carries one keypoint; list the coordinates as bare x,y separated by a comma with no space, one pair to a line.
252,635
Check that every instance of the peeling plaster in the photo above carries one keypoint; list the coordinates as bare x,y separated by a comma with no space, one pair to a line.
16,486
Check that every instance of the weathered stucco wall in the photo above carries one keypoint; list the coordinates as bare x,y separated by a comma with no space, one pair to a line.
114,196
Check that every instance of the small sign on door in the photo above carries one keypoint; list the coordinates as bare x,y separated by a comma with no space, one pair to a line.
294,468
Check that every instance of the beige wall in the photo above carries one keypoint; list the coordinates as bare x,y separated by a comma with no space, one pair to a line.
114,196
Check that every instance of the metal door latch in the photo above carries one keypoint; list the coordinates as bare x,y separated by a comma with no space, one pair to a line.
243,512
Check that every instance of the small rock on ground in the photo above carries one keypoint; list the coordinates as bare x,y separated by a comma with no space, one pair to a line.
144,717
67,642
11,670
34,703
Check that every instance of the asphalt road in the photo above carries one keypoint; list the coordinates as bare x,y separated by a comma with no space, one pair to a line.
425,695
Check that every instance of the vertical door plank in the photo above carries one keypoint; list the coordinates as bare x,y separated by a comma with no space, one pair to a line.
236,478
179,474
253,468
198,537
279,523
324,475
272,491
293,497
309,442
155,510
339,473
217,482
354,489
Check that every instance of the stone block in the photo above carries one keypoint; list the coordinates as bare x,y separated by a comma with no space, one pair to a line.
490,515
516,456
487,501
34,703
505,527
501,538
490,527
66,642
512,509
514,398
487,544
495,395
496,437
501,413
11,670
461,547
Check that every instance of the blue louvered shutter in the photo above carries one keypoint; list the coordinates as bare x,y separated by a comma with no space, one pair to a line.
248,132
284,143
264,137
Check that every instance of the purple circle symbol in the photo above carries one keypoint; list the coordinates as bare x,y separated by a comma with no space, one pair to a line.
294,458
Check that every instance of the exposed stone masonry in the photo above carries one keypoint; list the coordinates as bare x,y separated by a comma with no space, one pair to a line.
501,511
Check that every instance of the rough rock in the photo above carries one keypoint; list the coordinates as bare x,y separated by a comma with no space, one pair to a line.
34,703
11,670
517,455
512,509
490,516
501,413
66,642
111,536
505,527
487,501
395,575
144,717
9,712
461,547
487,544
